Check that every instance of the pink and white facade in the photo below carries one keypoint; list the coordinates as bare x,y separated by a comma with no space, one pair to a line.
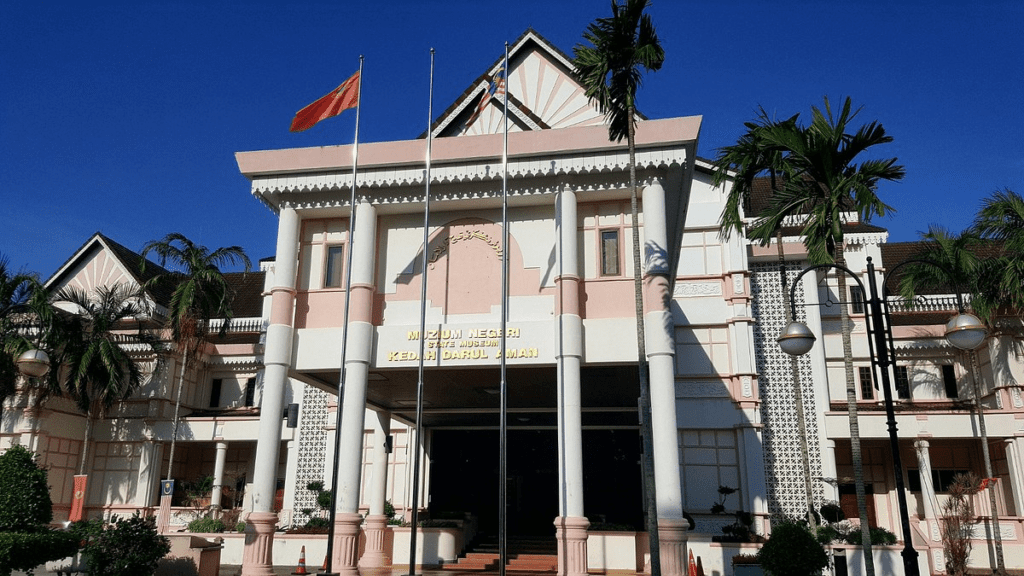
723,413
570,355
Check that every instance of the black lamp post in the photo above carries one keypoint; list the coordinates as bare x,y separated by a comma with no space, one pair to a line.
964,331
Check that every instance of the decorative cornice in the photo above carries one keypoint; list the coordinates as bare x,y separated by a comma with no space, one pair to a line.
490,171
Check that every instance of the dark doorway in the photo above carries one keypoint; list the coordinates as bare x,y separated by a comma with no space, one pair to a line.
612,478
464,478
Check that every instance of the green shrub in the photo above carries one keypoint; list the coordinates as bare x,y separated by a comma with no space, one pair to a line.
126,547
240,527
25,509
879,536
206,525
828,534
792,551
24,495
26,550
389,509
318,522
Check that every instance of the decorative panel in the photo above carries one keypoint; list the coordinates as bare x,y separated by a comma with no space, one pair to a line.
312,449
783,459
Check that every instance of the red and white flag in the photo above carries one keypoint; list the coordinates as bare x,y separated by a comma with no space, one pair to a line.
340,99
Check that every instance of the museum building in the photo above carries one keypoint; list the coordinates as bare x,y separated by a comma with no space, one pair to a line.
723,412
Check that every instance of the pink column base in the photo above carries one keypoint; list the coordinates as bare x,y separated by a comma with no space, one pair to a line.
258,556
571,538
346,544
672,534
375,556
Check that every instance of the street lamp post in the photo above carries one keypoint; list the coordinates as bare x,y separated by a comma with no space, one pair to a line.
963,331
34,362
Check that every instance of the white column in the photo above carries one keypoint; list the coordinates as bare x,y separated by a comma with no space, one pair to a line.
353,403
660,338
291,476
375,556
218,475
146,483
571,524
829,470
1015,462
379,472
258,558
924,466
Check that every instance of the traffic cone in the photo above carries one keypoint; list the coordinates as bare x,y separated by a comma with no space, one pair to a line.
693,566
301,569
324,567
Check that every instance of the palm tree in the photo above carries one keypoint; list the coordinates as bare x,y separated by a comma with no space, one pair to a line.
15,291
200,294
749,159
958,267
610,71
1001,218
823,182
97,367
26,319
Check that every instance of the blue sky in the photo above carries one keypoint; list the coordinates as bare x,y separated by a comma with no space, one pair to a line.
124,117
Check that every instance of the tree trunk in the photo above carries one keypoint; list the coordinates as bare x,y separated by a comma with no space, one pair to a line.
798,393
85,442
177,407
996,536
646,432
851,403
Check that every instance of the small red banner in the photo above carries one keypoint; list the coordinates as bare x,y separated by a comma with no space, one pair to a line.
78,497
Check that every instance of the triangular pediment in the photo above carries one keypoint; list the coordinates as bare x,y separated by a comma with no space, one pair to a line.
542,94
103,262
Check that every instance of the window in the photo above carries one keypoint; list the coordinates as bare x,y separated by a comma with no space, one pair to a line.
250,391
215,393
856,300
902,382
609,252
949,380
335,260
867,388
941,479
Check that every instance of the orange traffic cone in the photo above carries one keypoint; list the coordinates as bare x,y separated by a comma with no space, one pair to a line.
693,565
301,569
324,567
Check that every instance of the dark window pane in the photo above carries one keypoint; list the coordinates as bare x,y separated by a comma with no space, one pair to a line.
902,382
335,258
867,389
215,393
856,300
913,479
250,391
609,252
949,380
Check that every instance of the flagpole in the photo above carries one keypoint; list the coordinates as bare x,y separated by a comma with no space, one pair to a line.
503,443
423,329
344,339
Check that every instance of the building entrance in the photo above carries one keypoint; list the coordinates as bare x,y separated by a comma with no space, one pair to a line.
465,478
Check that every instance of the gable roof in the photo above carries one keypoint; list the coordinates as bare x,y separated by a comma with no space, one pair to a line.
248,287
554,100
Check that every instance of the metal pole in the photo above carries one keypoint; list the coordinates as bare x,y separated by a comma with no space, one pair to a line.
503,426
878,331
423,333
344,339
